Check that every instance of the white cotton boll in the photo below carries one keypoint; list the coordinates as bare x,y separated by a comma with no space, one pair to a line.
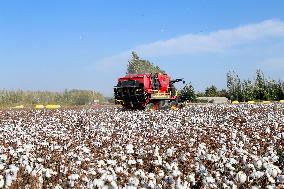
257,174
101,163
123,157
34,172
130,187
183,157
270,179
265,164
201,169
158,161
12,152
99,183
111,162
202,146
258,164
280,179
168,167
225,186
161,173
131,162
129,149
192,140
108,178
271,186
152,184
87,159
229,182
229,166
209,180
272,171
3,157
151,176
267,130
73,177
244,158
40,160
208,157
118,169
48,173
140,161
234,186
85,178
156,152
2,182
191,178
113,185
274,158
250,166
2,166
176,173
233,161
255,187
93,172
86,150
140,173
170,152
13,168
58,187
133,181
9,180
241,177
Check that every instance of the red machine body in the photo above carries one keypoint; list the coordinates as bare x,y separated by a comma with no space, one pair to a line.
137,91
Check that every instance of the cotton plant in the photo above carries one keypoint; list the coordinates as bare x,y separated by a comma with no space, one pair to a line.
209,146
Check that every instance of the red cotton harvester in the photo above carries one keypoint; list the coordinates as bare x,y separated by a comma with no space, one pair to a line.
143,91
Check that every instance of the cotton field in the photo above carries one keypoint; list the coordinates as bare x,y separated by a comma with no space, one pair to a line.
198,146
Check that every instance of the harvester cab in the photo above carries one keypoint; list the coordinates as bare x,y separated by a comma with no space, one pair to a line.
141,91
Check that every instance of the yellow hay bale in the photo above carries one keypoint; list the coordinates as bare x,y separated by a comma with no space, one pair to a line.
19,107
281,101
266,102
39,106
251,102
52,106
235,102
173,107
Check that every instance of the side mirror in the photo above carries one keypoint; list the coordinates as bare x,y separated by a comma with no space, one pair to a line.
183,82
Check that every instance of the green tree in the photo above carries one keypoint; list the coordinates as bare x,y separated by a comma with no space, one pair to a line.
260,88
234,86
187,93
139,66
223,93
211,91
247,90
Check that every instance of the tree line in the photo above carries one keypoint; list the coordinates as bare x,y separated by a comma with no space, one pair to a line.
68,97
261,88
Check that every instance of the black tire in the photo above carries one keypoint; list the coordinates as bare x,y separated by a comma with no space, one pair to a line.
149,106
164,105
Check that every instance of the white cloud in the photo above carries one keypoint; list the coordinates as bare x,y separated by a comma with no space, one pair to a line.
214,42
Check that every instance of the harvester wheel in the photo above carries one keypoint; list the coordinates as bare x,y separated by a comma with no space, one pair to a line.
173,104
163,105
150,106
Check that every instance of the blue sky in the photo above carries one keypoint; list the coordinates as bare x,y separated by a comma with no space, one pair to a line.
59,44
